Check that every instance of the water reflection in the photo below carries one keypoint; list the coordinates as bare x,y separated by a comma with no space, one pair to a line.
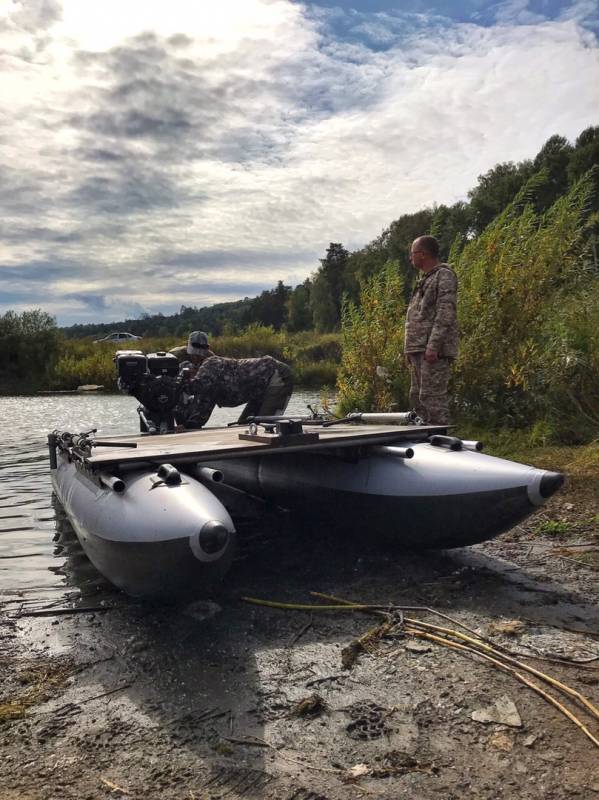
71,563
32,564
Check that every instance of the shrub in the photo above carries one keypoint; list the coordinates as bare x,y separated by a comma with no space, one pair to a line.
256,340
29,347
372,375
321,374
529,317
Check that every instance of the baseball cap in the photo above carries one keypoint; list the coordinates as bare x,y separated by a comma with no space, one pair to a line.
196,341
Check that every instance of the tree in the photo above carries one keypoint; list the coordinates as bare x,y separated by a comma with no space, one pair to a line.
29,323
364,263
450,223
324,311
29,344
328,288
333,266
585,154
397,240
299,314
554,157
495,191
269,308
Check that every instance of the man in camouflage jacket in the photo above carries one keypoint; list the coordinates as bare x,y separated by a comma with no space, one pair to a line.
431,332
265,384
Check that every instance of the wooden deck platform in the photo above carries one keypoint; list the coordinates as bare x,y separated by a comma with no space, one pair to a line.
210,443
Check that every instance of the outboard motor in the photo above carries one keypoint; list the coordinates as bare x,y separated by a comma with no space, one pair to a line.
162,363
155,381
131,366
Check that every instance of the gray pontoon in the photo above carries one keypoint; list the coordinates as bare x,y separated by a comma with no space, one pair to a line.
156,514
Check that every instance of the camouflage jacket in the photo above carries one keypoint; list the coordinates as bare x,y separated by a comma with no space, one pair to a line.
228,382
431,319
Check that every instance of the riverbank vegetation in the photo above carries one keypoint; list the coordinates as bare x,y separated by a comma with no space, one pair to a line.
314,357
525,249
529,321
30,345
42,358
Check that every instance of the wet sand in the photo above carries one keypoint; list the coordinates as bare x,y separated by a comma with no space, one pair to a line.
226,699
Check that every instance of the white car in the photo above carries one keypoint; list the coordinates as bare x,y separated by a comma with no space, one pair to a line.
118,338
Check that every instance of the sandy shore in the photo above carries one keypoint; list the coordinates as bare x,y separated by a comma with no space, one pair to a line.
226,699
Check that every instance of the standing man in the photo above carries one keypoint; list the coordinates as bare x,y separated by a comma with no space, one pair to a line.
431,332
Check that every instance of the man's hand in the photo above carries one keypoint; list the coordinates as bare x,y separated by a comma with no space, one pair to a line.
430,356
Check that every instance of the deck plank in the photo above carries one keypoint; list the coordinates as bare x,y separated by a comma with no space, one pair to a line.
209,443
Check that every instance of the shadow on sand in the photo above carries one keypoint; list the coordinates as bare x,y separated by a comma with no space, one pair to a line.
188,690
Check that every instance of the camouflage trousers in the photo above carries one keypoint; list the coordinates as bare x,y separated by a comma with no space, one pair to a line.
274,401
428,389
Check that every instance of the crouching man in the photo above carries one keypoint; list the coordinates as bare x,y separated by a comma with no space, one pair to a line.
264,384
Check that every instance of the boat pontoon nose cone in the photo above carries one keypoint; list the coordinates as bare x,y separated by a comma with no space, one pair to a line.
550,483
542,484
210,542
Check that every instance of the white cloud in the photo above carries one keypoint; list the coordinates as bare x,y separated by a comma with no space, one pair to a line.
517,12
232,147
220,26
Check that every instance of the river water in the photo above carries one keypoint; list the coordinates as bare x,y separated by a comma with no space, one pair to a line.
37,545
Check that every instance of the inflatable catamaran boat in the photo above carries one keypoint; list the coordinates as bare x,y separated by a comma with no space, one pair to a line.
156,514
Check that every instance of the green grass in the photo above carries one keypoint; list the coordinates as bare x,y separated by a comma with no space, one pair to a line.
590,559
554,527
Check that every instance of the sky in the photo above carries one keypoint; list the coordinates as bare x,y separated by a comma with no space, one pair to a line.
160,153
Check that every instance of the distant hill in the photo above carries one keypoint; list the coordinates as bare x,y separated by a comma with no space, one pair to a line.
211,318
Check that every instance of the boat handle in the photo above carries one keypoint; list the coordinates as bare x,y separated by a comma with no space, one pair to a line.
471,444
209,474
391,450
169,474
111,482
452,442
